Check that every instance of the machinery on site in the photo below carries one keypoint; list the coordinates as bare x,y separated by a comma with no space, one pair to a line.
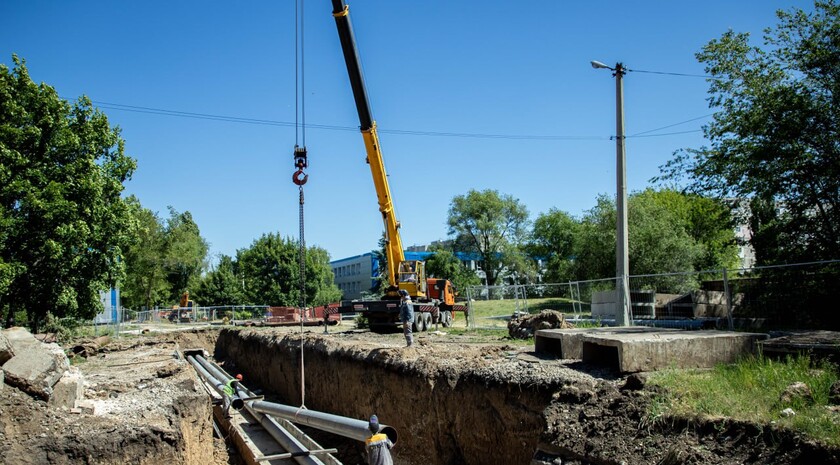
182,313
433,299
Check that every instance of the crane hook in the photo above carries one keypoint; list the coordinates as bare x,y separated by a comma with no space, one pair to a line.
300,177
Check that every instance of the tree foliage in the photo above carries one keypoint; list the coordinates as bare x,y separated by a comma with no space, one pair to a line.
63,225
668,232
444,264
554,242
166,258
488,224
222,286
271,270
184,253
145,283
775,136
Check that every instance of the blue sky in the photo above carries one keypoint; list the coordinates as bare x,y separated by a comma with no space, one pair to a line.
491,68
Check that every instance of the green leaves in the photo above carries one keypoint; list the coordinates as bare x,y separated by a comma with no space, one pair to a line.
486,223
775,134
62,222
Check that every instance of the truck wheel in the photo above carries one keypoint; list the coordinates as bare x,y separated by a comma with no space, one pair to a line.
427,321
418,323
446,318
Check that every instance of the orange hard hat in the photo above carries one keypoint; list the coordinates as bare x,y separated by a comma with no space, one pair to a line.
239,377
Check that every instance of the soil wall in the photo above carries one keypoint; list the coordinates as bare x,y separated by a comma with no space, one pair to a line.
444,414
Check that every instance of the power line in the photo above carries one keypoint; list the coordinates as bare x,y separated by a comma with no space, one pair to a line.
672,74
405,132
638,134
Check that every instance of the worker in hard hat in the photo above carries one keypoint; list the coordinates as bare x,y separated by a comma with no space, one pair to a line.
378,446
230,391
406,316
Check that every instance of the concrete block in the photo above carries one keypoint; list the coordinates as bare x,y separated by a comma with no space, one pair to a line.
86,406
603,304
650,351
36,366
568,343
68,390
6,350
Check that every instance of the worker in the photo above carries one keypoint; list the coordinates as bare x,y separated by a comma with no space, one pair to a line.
406,316
378,446
230,391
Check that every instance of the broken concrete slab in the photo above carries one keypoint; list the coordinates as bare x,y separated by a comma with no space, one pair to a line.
631,352
567,343
6,350
36,366
68,390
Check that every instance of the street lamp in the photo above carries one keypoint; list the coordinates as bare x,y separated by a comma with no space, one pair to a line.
622,262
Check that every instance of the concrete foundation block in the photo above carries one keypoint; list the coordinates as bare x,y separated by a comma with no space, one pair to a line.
568,343
68,390
36,367
650,351
6,350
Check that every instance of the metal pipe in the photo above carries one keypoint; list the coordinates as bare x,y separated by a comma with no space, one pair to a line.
286,441
343,426
218,385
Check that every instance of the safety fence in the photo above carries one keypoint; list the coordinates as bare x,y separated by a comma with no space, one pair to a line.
803,295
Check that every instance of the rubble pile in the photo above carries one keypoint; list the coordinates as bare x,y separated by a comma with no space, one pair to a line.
524,326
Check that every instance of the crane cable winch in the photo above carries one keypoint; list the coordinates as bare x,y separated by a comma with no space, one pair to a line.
299,177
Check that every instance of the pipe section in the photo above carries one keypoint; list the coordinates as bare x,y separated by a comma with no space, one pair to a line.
216,382
343,426
288,442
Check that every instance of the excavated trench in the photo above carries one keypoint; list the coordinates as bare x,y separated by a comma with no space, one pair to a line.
469,404
445,414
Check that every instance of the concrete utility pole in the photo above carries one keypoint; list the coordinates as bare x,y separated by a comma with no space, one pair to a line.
622,262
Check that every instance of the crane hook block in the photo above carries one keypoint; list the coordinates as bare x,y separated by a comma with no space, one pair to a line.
300,158
300,177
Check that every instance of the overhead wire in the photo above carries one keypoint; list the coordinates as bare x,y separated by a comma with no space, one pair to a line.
404,132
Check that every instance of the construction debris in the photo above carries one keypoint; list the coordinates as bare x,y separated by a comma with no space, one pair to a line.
525,326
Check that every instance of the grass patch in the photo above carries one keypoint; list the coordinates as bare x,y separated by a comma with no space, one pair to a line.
750,390
492,313
488,335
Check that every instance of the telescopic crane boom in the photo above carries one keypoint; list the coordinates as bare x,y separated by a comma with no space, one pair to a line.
413,271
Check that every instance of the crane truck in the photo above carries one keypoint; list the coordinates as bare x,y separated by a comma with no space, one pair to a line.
433,299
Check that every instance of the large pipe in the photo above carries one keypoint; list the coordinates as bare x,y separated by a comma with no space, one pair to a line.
286,440
343,426
218,384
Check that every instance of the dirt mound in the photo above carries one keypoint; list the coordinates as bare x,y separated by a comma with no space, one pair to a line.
524,326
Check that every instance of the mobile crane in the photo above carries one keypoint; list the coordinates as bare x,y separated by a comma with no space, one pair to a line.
433,299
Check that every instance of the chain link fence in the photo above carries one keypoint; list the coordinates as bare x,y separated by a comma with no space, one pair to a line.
801,296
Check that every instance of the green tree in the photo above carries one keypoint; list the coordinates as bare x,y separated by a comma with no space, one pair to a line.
668,232
185,253
222,286
444,264
271,269
554,241
774,135
595,249
64,225
145,283
488,224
